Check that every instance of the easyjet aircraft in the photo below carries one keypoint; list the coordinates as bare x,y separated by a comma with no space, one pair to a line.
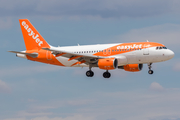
127,56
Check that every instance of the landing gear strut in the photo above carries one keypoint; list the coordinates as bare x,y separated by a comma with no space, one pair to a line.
106,74
150,71
90,73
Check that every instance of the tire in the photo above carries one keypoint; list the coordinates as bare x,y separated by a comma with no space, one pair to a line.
106,75
89,73
150,72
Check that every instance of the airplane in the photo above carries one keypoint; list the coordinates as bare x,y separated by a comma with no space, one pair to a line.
127,56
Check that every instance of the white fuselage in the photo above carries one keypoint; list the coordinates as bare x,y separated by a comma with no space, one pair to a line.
147,55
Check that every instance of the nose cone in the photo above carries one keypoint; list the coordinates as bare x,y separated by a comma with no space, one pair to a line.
170,54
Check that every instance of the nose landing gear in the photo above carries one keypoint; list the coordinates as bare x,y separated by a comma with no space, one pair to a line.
150,71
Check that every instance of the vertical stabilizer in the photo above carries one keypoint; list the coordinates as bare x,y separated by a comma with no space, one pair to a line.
32,38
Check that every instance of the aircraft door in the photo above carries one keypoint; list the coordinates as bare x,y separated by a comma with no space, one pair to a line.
48,55
146,49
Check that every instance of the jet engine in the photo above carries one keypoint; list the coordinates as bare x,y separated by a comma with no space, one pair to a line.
133,67
108,63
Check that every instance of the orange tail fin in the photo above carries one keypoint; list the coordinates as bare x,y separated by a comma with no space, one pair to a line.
32,38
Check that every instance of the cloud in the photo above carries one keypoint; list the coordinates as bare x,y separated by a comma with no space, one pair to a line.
31,100
37,109
125,105
30,114
177,67
74,117
28,70
81,8
16,119
137,105
167,34
156,87
4,88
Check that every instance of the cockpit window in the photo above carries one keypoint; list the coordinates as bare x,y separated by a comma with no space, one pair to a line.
160,47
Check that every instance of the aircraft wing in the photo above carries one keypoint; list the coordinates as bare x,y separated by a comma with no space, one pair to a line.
71,56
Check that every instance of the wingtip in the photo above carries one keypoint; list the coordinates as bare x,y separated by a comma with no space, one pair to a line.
11,51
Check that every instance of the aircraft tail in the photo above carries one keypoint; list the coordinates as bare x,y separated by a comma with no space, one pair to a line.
32,38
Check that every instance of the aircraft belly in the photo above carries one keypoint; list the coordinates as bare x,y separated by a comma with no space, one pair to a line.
65,61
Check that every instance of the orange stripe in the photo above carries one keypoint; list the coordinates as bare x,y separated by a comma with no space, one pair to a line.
44,56
74,57
126,47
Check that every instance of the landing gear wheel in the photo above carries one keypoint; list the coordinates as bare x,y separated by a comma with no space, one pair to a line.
150,72
89,73
106,75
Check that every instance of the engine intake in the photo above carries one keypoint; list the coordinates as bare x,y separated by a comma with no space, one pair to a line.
108,63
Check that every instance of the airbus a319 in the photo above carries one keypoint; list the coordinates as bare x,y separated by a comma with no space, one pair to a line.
127,56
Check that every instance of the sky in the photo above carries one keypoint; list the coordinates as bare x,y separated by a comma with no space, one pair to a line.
37,91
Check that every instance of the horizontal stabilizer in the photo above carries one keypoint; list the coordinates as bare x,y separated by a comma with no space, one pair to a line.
33,55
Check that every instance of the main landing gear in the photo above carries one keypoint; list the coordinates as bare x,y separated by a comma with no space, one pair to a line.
106,74
150,71
90,73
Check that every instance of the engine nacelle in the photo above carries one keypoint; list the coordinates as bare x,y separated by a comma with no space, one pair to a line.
108,63
133,67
